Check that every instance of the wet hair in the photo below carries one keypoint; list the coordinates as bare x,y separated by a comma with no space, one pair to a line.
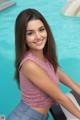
21,47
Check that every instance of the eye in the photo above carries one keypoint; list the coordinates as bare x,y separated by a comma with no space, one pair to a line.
41,29
29,33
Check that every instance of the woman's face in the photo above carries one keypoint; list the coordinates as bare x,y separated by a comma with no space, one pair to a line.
36,35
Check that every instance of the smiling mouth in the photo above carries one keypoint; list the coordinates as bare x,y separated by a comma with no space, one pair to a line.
39,42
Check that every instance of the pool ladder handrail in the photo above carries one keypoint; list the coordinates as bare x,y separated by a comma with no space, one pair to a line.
4,4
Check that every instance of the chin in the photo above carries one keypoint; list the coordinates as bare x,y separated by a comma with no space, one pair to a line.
39,47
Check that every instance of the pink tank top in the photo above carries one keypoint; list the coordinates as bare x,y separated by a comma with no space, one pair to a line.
30,93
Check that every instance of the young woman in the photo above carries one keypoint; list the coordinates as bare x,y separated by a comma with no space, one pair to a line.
37,69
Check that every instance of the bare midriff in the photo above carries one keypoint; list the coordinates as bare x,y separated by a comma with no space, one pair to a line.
42,110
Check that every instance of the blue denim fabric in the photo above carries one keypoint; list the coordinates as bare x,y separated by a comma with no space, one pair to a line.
25,112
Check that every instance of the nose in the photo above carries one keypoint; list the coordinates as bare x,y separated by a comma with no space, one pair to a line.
37,35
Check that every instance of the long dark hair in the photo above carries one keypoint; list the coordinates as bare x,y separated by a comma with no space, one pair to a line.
21,47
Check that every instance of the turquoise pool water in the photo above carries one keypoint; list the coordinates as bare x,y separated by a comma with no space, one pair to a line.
66,31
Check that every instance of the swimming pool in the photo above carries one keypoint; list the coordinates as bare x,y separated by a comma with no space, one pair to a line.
66,32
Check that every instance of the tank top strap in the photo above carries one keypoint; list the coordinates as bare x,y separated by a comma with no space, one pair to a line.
32,57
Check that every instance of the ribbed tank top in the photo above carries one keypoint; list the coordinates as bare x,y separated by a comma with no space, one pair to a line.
30,93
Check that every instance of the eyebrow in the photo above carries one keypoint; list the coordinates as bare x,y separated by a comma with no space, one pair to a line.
33,30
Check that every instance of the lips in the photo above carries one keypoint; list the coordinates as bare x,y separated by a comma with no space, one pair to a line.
38,42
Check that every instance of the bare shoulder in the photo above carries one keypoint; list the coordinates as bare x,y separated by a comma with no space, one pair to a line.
32,68
30,65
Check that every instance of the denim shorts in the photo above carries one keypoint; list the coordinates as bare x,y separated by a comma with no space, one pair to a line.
25,112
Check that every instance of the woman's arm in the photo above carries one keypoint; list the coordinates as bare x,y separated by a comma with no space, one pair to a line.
68,81
40,78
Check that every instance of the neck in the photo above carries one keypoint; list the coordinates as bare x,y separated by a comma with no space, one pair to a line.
38,54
